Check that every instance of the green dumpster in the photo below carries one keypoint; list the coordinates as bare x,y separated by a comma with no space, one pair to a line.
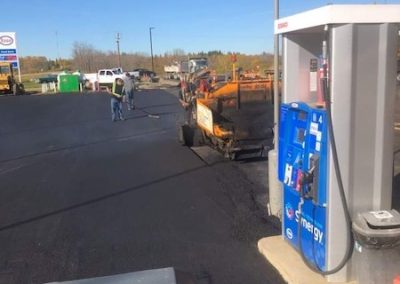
68,83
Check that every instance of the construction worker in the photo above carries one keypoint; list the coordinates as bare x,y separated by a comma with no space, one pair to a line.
117,94
187,99
129,88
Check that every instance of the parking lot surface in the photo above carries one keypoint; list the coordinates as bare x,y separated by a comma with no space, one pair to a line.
82,196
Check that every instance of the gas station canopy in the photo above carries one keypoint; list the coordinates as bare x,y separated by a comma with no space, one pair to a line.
339,14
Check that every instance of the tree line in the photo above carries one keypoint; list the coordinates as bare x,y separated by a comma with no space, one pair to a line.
88,59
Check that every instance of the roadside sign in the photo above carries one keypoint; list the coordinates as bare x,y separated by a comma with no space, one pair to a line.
7,41
8,50
233,57
11,57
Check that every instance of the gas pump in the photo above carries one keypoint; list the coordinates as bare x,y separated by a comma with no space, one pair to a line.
302,170
303,160
335,135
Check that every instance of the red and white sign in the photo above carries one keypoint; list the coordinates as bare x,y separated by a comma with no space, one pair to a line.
282,25
8,48
339,14
7,40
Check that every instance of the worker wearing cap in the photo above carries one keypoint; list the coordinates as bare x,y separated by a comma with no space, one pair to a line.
129,88
117,94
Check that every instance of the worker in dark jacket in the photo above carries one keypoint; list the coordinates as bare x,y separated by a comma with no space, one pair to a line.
117,94
129,88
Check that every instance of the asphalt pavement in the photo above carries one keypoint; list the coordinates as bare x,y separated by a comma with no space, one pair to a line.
82,196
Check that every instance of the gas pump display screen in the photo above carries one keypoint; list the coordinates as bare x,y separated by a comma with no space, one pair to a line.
300,134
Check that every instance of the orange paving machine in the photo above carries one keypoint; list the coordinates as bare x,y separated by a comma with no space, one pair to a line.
235,117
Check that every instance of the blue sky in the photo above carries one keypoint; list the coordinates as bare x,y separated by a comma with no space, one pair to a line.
237,25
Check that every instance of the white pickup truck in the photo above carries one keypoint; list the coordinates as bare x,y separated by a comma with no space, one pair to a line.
103,78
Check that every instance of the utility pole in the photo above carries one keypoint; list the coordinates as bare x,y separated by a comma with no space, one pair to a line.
151,49
119,54
58,51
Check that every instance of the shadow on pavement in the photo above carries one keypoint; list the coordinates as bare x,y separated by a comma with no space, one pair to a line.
183,277
98,199
72,147
252,160
153,106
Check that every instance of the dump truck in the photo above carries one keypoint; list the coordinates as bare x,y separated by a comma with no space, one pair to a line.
235,117
195,64
178,69
8,84
172,71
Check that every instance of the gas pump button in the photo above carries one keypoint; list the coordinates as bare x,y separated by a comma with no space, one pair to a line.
299,181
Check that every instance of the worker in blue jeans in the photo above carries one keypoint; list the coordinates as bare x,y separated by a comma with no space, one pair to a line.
117,94
129,88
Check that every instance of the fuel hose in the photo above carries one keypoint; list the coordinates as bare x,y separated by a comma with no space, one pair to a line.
347,216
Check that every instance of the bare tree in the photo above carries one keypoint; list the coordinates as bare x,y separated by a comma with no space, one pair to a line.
89,59
84,56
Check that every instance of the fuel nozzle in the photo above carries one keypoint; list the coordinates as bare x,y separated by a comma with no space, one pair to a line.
310,180
306,181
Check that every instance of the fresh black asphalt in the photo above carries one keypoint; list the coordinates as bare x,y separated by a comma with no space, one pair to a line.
82,196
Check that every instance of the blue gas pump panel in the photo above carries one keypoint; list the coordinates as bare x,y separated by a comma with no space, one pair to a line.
302,169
